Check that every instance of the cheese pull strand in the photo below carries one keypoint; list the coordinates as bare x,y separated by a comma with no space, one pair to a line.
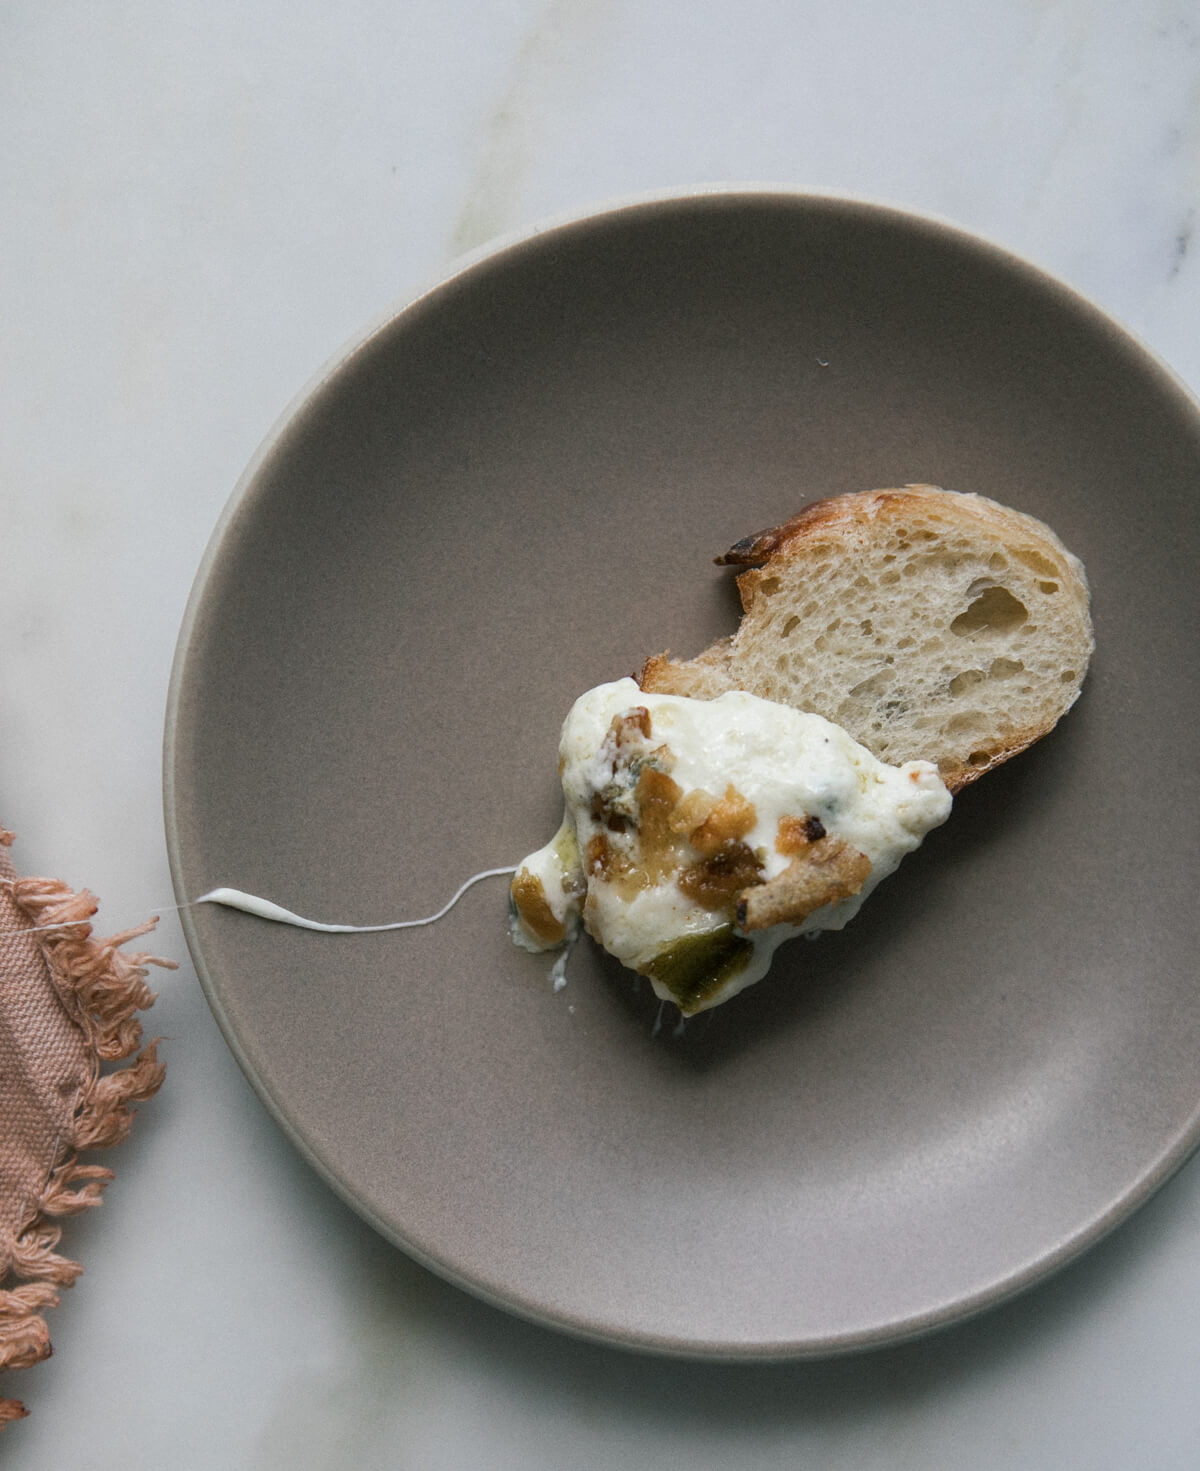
265,909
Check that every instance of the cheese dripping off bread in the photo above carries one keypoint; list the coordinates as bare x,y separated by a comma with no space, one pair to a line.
927,623
894,646
698,835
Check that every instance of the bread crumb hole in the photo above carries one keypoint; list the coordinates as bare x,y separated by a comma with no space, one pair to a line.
1067,676
906,642
866,626
995,610
961,683
1037,563
890,576
1048,586
768,586
997,562
793,622
1004,668
979,758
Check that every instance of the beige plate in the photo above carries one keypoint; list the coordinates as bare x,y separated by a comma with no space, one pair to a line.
513,490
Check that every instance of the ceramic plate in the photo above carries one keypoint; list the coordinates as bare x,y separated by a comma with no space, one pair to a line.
512,490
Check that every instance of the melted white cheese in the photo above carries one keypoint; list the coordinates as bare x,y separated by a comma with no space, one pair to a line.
267,909
784,762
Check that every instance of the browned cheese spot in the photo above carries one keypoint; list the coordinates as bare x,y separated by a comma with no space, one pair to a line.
626,730
714,882
615,822
728,822
692,810
658,851
538,918
609,864
661,847
793,835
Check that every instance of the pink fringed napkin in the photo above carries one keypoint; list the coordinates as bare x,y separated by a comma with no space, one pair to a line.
68,1004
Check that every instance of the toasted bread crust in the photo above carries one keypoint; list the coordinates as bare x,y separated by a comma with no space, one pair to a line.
825,872
931,624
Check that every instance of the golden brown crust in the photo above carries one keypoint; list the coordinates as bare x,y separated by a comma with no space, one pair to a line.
703,678
856,511
660,677
753,551
957,775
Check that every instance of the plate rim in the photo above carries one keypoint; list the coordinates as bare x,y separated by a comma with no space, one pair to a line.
1015,1284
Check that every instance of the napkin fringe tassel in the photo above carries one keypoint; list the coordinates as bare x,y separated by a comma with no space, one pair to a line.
103,988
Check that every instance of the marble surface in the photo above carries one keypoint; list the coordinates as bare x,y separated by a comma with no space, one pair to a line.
201,203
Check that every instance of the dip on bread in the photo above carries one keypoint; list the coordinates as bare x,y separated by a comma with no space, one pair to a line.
699,835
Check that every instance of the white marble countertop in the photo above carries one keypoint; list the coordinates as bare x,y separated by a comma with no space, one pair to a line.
201,203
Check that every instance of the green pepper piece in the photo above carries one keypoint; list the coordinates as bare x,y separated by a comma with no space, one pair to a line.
695,966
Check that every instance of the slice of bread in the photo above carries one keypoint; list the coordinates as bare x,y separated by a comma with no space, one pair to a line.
929,624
